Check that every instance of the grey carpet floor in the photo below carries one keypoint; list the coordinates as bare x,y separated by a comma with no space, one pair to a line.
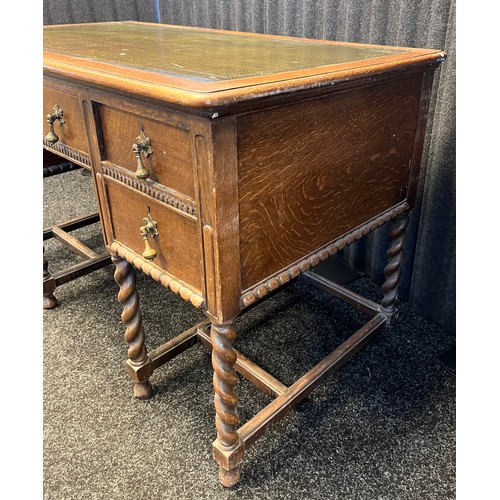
383,427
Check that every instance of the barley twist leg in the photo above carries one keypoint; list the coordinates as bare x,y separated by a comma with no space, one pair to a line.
392,270
125,277
225,400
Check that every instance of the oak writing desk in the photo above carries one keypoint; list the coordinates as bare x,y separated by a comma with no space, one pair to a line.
227,164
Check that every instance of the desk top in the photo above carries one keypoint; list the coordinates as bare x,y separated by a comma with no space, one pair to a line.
201,67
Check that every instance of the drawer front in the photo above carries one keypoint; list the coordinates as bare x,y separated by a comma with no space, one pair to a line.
178,244
72,132
170,162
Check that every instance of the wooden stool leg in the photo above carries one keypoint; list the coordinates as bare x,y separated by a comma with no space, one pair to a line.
226,420
49,301
392,270
125,277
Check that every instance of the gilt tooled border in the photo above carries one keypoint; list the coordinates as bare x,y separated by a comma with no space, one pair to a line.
169,199
284,276
68,152
177,286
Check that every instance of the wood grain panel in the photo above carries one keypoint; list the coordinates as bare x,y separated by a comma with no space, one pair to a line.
72,132
170,163
178,241
311,171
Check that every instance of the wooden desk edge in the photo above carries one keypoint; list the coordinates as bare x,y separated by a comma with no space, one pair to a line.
217,95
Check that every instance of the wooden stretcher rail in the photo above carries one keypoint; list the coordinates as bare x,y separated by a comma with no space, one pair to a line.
359,302
274,411
81,269
72,224
73,243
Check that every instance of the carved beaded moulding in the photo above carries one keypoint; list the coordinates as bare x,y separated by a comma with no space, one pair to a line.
67,152
184,206
177,286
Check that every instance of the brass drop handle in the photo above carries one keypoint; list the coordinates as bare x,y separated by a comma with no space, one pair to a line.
56,116
148,229
142,146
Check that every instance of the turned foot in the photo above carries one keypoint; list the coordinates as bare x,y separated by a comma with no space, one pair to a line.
143,390
392,270
138,363
49,301
229,478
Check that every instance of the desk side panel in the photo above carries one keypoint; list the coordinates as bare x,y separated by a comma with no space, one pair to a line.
313,171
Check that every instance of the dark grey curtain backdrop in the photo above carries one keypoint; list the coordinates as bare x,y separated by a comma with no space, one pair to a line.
428,282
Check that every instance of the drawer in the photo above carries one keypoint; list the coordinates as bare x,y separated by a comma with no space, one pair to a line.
72,132
178,243
170,162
